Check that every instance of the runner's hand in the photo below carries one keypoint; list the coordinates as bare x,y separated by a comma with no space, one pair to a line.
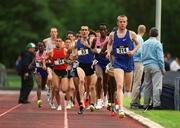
130,53
108,55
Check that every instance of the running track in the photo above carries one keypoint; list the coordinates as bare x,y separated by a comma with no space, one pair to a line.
13,115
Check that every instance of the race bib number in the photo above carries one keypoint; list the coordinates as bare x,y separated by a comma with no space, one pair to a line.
59,62
39,64
122,50
82,52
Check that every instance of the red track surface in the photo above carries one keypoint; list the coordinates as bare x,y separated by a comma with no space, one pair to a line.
13,115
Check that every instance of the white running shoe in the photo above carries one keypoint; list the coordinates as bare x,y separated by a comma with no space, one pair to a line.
105,101
59,108
69,105
99,104
117,107
52,105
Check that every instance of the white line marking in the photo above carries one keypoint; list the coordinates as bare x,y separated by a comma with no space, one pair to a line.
10,110
65,115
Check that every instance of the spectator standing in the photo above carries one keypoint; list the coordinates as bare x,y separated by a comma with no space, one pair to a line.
153,61
138,70
27,83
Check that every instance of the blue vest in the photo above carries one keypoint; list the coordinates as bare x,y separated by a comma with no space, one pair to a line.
85,54
120,48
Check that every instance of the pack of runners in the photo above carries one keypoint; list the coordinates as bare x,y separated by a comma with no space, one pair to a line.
93,70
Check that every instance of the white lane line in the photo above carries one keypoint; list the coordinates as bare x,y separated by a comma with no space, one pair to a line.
65,115
9,110
18,105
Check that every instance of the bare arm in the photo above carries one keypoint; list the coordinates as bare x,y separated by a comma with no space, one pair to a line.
109,44
75,52
93,45
50,54
136,43
45,41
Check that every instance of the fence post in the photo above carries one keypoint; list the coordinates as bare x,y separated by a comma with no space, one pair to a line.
177,94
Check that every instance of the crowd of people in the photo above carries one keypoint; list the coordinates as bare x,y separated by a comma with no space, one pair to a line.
95,69
171,63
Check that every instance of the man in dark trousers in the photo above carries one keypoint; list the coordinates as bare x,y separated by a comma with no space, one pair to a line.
26,75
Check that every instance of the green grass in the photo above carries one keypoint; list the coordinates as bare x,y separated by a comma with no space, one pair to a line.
167,118
14,81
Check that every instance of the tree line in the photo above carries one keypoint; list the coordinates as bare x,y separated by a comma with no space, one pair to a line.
23,21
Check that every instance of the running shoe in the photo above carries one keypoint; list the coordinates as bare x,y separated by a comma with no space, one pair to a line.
39,103
117,107
105,101
121,114
81,110
69,105
87,108
92,108
86,102
59,108
99,104
52,105
109,106
113,110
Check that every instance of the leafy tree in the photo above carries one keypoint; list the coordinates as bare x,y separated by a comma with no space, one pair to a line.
24,21
171,26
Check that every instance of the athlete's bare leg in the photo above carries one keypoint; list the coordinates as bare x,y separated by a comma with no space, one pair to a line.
128,76
81,76
119,77
91,82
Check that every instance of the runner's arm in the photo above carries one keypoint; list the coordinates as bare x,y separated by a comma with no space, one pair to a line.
45,41
109,45
75,51
93,45
136,43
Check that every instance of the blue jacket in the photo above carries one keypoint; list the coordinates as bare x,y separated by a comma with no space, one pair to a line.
152,53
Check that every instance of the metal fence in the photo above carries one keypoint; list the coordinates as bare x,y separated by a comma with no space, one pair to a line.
170,98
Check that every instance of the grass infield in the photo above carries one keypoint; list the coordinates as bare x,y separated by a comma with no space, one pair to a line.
167,118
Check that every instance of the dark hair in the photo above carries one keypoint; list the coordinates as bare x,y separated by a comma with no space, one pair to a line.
92,33
153,32
71,32
39,43
67,38
103,24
